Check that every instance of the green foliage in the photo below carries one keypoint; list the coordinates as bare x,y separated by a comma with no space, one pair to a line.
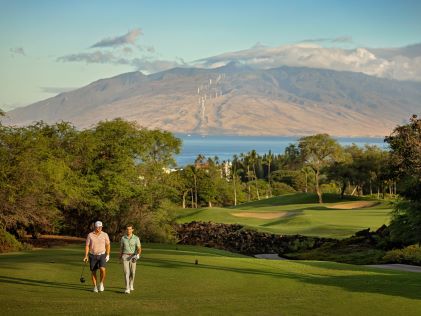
280,188
8,242
294,178
57,178
405,145
329,188
319,151
407,255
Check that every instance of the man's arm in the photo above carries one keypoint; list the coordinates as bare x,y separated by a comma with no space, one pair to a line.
85,259
108,249
139,247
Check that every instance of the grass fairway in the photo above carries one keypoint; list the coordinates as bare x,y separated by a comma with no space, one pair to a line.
298,214
46,282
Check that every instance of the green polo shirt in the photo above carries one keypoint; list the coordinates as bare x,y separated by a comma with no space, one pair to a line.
129,245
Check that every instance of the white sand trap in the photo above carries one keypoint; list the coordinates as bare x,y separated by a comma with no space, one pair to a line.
353,205
266,215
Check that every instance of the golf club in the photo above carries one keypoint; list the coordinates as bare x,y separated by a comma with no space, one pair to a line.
82,279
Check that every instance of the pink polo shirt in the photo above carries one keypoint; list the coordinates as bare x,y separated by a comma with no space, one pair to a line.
97,243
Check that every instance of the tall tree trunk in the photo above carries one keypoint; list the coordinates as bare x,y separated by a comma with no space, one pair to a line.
184,198
371,189
195,191
306,182
255,183
248,183
235,190
343,190
318,191
192,198
270,187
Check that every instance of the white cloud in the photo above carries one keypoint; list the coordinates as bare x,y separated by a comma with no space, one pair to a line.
310,54
129,38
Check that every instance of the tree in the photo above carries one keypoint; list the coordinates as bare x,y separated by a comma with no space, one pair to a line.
319,151
253,158
267,159
405,155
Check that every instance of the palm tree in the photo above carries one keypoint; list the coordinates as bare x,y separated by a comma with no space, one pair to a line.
246,163
253,161
268,161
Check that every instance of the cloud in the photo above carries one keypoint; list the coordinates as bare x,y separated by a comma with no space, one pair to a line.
97,57
403,64
17,51
145,64
339,39
410,51
129,38
156,65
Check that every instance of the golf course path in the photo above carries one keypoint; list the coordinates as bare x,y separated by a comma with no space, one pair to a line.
397,266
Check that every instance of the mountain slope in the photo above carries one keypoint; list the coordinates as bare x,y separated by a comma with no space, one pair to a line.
237,100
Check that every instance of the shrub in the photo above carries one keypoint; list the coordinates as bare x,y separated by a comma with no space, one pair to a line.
330,188
8,242
408,255
280,188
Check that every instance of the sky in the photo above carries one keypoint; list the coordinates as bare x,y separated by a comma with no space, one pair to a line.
52,46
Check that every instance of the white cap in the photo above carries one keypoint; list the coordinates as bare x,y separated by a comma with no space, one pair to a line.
98,224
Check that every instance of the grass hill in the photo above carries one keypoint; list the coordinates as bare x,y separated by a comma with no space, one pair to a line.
46,282
299,214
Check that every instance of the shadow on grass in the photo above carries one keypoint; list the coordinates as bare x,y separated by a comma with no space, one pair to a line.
393,283
284,220
51,284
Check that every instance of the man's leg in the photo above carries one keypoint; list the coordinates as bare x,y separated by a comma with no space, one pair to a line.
102,273
93,275
92,265
94,280
126,270
132,274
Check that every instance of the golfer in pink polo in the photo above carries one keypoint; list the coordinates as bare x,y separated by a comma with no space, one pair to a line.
97,250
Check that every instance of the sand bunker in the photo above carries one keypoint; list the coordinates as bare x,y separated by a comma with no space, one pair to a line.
266,215
353,205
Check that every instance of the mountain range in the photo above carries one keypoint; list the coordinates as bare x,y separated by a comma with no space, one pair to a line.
237,100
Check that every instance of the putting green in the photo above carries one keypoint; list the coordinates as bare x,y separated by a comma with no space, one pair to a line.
298,214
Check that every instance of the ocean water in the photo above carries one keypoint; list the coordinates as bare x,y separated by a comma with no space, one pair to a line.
225,147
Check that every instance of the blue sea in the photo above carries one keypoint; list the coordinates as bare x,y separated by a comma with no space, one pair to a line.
226,146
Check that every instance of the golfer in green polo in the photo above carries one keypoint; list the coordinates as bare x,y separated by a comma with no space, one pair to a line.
130,251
